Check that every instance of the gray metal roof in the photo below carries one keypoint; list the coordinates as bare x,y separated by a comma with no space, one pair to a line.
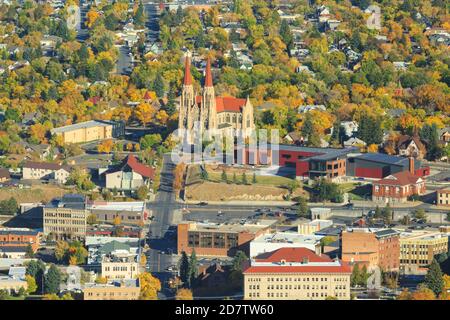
81,125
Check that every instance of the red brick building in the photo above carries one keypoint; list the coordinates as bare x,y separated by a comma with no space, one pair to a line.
398,187
372,248
214,240
19,238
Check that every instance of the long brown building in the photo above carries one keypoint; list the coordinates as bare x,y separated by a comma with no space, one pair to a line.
372,248
218,240
19,238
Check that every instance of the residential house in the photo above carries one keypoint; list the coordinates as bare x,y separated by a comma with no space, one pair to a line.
443,197
354,142
411,147
129,175
444,135
4,175
45,171
309,107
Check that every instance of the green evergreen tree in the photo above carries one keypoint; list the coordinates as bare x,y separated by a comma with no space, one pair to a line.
433,278
244,178
52,280
302,210
224,176
234,177
183,266
159,86
254,178
193,268
239,258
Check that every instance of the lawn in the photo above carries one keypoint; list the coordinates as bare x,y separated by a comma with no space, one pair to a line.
356,191
263,180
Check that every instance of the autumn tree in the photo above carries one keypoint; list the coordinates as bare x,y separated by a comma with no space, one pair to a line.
184,294
150,286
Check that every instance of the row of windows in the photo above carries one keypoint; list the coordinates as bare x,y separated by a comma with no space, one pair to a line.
121,268
65,222
415,261
112,294
304,279
298,287
66,229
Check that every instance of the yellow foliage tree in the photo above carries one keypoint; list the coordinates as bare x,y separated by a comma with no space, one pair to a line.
117,221
144,113
105,146
184,294
150,286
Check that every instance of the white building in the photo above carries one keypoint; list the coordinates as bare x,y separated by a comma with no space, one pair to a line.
274,241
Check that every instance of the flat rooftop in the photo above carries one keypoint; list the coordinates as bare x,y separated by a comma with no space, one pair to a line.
230,227
135,206
422,235
288,237
81,125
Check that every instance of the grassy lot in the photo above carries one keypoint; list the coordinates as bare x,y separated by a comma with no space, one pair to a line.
263,180
34,194
356,191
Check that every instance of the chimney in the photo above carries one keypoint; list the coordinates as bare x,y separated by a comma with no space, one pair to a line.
411,165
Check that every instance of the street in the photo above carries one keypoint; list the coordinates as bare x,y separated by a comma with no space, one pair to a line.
160,238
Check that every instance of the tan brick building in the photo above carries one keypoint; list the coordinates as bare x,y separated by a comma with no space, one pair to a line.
371,247
84,132
296,274
119,290
218,240
418,248
120,265
65,218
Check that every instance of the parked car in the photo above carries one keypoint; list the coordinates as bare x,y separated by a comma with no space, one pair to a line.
203,203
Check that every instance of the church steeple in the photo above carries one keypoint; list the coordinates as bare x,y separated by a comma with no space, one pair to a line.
187,71
208,75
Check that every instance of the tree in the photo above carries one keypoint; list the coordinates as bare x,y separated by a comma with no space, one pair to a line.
193,268
105,146
91,219
244,178
61,250
420,214
150,140
150,286
386,213
142,192
101,280
254,178
404,295
286,34
434,278
31,282
52,280
183,265
235,178
355,278
30,252
159,86
238,260
423,293
302,210
224,177
117,221
143,260
184,294
9,207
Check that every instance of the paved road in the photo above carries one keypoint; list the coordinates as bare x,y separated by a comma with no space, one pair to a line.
83,34
124,61
152,23
160,238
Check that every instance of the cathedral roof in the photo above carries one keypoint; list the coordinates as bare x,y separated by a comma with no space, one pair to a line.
226,104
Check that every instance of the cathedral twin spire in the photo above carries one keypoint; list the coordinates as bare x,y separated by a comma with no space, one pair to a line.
188,76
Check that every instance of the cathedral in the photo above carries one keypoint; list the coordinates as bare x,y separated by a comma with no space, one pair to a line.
223,115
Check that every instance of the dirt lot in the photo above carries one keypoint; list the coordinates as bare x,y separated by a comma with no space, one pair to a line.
41,193
214,191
